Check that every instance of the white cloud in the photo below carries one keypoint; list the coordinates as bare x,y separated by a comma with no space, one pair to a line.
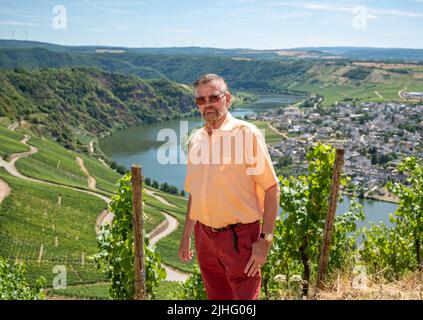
17,23
398,13
178,30
284,16
108,7
373,13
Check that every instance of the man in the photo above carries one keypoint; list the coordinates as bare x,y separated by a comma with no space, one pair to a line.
232,186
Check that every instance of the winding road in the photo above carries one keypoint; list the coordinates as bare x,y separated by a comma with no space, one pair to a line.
401,91
106,217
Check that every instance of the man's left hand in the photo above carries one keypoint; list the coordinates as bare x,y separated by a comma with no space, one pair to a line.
258,256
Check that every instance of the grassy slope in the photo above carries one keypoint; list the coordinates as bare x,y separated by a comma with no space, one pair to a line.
54,163
271,136
100,291
31,216
106,178
334,87
9,142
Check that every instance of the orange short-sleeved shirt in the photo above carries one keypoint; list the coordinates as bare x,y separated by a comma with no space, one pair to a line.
228,173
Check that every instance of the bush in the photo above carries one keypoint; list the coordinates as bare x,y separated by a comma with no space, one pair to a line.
192,288
14,284
396,251
116,249
299,231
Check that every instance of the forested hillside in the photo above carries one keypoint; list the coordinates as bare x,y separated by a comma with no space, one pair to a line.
60,101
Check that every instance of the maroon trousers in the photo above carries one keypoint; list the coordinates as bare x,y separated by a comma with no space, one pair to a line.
222,267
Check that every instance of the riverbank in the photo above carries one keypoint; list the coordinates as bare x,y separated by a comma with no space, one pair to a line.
385,198
139,145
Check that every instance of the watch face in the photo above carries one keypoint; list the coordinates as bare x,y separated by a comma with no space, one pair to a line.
268,237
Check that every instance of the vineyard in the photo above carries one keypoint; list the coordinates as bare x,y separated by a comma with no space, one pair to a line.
49,219
45,225
357,257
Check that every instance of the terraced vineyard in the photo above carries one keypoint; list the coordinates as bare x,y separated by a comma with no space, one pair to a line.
9,142
380,85
56,164
37,229
45,225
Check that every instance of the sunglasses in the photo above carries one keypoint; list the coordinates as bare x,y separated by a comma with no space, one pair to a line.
213,98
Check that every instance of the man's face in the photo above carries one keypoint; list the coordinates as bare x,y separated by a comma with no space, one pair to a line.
212,111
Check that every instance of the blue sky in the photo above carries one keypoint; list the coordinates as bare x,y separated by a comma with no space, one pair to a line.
257,24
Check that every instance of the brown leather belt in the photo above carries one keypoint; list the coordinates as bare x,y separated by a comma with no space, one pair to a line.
228,227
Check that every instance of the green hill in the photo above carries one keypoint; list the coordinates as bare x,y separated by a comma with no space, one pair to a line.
59,102
335,79
242,74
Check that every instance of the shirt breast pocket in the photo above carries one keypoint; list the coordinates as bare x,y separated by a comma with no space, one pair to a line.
229,166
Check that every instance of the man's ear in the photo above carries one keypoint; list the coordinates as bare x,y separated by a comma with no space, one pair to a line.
229,99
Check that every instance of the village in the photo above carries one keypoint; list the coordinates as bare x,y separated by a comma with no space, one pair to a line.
375,136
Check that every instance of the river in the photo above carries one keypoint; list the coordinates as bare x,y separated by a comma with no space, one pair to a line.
139,145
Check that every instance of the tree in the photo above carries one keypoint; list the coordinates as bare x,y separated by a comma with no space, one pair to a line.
155,184
173,190
164,187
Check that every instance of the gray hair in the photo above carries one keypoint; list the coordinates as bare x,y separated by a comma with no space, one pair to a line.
211,77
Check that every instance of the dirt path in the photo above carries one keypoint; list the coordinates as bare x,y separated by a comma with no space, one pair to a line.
161,199
4,190
104,218
401,91
366,194
277,131
103,162
162,230
10,165
378,94
91,180
13,126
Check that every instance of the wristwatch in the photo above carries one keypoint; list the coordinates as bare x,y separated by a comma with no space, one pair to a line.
267,236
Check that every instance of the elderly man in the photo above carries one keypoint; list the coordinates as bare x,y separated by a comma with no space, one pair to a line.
232,186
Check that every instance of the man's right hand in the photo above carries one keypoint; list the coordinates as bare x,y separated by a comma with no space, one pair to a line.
184,253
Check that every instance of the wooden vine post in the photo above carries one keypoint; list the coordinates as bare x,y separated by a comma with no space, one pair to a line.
138,228
327,235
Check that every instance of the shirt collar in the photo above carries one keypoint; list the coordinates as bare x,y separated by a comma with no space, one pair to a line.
227,125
